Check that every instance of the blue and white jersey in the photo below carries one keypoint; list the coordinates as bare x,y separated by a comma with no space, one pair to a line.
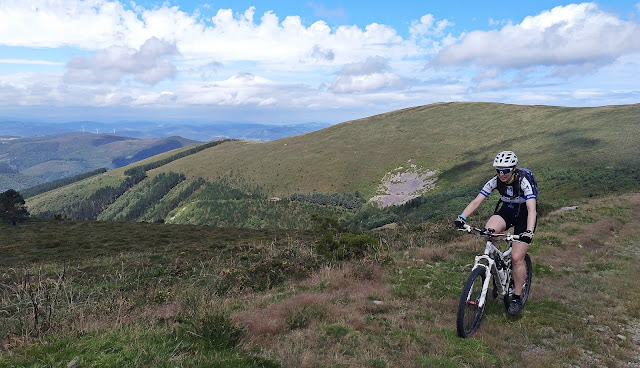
510,193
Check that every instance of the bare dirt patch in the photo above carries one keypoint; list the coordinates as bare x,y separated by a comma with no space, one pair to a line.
403,184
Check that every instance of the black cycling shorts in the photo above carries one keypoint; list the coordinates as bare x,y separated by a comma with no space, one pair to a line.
514,214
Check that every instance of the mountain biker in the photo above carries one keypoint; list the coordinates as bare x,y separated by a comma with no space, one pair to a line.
515,189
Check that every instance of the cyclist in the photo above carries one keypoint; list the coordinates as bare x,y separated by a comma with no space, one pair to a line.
515,190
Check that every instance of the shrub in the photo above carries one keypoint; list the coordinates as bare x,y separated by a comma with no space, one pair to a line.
335,243
348,201
268,272
217,330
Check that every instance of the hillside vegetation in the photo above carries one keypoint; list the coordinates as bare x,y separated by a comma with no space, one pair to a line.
457,139
575,152
115,294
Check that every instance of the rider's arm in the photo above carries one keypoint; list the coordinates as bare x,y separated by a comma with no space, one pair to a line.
532,214
484,193
530,197
471,207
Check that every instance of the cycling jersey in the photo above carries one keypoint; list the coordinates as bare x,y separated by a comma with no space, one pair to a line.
518,191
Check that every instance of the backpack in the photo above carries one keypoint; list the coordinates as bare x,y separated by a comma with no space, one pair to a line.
526,173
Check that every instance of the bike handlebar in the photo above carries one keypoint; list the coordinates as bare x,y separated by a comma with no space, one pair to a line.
489,234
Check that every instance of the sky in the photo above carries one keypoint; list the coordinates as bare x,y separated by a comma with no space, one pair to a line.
286,62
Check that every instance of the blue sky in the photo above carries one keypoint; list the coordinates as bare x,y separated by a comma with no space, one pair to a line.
296,61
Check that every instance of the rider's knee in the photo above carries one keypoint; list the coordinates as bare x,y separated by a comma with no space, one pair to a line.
517,260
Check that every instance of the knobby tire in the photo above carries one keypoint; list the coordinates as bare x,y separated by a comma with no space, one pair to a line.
526,288
469,313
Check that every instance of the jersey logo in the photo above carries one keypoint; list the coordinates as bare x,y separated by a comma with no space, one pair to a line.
509,191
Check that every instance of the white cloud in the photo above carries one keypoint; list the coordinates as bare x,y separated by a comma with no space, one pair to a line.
490,84
259,62
488,79
99,24
319,54
366,82
580,35
89,25
371,75
241,89
427,25
498,22
369,66
111,65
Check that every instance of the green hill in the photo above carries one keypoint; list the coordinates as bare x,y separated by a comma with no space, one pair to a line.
575,152
453,138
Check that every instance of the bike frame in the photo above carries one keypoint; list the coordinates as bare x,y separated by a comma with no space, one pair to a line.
489,264
487,261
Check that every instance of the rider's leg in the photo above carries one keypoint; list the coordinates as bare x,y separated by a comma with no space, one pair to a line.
496,223
518,251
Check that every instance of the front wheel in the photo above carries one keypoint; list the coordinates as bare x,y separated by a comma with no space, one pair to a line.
469,309
526,287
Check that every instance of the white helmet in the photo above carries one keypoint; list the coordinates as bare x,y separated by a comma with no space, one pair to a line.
505,159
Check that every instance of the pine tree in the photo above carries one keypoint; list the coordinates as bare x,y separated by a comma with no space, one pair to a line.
12,207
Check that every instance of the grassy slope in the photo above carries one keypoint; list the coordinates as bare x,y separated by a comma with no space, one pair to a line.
355,155
139,294
55,199
575,152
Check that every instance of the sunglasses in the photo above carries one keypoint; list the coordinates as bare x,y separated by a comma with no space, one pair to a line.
504,171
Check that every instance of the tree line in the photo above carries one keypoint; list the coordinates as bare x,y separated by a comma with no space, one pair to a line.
133,204
45,187
164,161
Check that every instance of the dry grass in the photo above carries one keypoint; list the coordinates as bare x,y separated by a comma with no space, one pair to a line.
331,313
582,310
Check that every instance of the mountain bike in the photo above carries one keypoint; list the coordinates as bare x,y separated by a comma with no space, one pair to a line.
494,265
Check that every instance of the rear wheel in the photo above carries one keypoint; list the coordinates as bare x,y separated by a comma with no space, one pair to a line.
526,287
469,310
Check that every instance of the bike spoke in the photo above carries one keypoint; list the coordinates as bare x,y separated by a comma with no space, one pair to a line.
469,309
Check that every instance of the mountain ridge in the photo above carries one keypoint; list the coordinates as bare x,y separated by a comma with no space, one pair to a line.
152,130
25,162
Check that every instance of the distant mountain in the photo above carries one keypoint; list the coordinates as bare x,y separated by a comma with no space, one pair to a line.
25,162
151,130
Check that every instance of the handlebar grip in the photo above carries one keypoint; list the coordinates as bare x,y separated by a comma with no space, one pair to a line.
466,228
